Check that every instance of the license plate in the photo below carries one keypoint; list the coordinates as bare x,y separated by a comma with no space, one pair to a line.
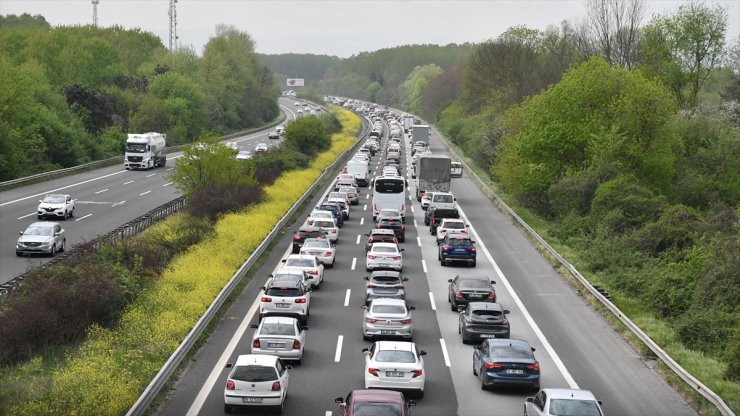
459,250
251,399
475,296
393,374
514,371
282,305
487,336
387,332
275,345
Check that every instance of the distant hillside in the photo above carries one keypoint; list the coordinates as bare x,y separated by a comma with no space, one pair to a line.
292,65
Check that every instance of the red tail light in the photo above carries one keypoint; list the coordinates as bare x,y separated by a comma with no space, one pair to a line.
333,230
445,248
492,296
371,320
373,371
458,294
276,386
370,240
256,343
327,254
296,344
405,321
505,322
370,286
296,238
396,257
395,241
417,373
230,385
300,300
472,249
313,272
302,253
371,257
533,367
266,299
494,366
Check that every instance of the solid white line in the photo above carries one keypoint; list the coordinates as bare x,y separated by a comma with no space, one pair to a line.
126,183
118,203
150,175
82,218
338,354
358,239
26,216
101,191
354,263
364,207
424,265
59,189
346,297
362,221
418,241
144,193
167,184
431,300
445,354
535,328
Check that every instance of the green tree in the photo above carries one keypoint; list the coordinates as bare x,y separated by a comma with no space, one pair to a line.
204,164
415,84
307,135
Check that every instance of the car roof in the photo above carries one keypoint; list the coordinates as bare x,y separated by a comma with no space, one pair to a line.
385,273
395,345
377,396
452,220
459,236
489,306
300,256
309,228
291,270
322,239
288,284
474,277
385,245
388,301
387,231
508,342
278,320
574,394
43,224
258,359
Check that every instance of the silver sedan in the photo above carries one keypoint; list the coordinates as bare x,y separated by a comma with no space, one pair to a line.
387,318
384,256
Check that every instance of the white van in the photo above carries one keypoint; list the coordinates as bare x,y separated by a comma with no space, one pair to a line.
360,170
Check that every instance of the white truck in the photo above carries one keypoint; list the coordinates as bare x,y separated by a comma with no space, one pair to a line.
145,151
408,122
432,174
420,133
360,170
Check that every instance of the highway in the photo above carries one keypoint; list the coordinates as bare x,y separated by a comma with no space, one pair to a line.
104,199
575,346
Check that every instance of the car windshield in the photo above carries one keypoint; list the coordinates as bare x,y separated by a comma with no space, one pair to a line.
474,283
376,409
54,199
325,224
254,373
386,280
511,351
394,356
44,231
454,225
568,407
299,263
459,242
347,190
283,291
316,244
484,313
442,198
287,278
389,186
136,147
396,309
384,249
277,329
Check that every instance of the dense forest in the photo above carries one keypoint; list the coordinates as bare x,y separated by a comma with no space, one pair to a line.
69,95
620,134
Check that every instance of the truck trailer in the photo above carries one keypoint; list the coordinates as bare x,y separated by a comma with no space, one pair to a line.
420,133
145,151
432,174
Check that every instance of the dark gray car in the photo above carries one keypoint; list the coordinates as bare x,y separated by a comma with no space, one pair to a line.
473,288
483,320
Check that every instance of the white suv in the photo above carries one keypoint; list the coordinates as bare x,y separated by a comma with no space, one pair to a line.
444,200
56,205
286,299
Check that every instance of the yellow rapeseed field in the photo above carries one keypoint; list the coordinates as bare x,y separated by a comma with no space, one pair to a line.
105,375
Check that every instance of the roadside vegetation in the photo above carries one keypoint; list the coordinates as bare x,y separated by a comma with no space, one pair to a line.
119,345
69,95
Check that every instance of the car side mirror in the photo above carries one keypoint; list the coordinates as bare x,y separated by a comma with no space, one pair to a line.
229,365
20,232
366,277
283,260
506,311
599,401
449,280
533,349
289,367
339,400
476,347
40,200
440,242
254,326
461,309
263,288
364,350
493,282
403,249
529,400
405,279
270,275
304,328
422,352
412,402
363,307
411,308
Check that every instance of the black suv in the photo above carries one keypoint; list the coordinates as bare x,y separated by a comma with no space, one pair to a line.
302,234
438,214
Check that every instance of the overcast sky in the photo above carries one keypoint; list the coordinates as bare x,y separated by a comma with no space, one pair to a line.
341,28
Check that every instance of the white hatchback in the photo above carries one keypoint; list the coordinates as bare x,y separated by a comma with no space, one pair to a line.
395,365
279,335
321,248
310,264
450,225
256,380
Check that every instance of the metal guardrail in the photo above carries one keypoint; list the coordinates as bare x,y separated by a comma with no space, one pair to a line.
113,160
694,383
160,379
129,229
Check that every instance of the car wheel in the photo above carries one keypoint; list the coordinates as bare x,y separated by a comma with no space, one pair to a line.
53,251
453,306
420,394
475,373
279,408
19,254
64,244
472,264
41,217
483,386
227,408
366,338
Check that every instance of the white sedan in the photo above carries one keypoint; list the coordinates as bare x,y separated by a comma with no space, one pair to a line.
395,365
321,248
260,148
384,256
310,264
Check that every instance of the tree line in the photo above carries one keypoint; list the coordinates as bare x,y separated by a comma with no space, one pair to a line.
70,94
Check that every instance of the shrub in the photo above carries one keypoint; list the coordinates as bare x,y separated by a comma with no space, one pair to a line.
220,197
625,204
307,135
676,229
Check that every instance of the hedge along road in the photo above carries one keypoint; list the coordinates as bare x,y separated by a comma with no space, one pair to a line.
104,199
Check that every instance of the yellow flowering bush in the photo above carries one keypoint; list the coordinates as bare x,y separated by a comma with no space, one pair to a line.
106,374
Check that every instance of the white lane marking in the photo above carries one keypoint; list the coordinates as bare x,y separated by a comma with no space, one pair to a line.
26,216
118,203
328,413
354,263
412,209
367,196
150,175
144,193
82,218
535,328
169,169
126,183
358,239
415,224
418,240
364,207
431,300
346,297
338,354
63,187
101,191
167,184
362,221
445,354
424,265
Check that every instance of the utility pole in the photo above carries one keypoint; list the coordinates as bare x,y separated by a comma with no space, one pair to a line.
95,12
173,25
